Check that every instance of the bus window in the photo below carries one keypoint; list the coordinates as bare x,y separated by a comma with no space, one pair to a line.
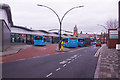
65,40
38,38
44,39
73,38
81,40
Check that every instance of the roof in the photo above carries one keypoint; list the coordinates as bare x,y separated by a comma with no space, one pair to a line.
24,30
6,7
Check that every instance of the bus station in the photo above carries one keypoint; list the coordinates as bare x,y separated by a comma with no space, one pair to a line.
57,53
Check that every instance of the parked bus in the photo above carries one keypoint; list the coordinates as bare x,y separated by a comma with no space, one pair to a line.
81,42
40,40
70,42
93,42
87,41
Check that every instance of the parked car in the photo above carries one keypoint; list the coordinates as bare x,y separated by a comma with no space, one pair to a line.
98,44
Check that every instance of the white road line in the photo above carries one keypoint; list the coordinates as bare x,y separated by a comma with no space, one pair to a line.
63,62
49,74
36,57
75,55
20,59
68,59
69,62
64,65
72,57
57,69
71,51
73,60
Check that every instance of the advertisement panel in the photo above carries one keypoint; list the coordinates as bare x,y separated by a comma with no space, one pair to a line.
113,34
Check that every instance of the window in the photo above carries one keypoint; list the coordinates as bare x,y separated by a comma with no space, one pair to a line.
38,38
80,40
73,38
65,40
44,39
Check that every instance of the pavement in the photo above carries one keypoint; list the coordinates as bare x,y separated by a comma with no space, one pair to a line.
108,65
14,49
64,49
23,52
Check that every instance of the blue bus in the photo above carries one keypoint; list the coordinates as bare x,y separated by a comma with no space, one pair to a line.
70,42
40,40
81,42
93,42
87,41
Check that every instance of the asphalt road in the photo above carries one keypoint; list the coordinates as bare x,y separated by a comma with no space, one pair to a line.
80,63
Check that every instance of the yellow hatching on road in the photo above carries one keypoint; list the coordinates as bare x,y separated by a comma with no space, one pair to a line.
97,53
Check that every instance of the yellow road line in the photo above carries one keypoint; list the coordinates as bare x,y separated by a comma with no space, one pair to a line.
97,53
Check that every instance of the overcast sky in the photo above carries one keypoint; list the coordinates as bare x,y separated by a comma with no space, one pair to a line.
27,13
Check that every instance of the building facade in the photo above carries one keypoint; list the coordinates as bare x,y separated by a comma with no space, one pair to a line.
5,25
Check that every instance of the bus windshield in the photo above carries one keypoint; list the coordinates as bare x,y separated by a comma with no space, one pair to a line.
65,40
38,38
73,38
80,40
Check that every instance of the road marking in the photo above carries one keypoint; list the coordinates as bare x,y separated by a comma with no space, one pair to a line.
57,69
72,57
36,57
63,62
75,55
69,62
20,59
98,51
68,59
71,51
73,60
64,65
49,74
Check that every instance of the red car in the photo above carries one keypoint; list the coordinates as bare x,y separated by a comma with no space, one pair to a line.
98,44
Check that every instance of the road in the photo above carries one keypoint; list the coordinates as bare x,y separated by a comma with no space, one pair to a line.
79,63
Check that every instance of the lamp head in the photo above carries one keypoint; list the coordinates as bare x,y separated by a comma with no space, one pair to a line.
39,5
80,6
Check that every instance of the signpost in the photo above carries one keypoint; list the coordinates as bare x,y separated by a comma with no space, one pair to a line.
118,29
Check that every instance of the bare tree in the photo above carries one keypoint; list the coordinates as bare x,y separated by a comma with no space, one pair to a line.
111,23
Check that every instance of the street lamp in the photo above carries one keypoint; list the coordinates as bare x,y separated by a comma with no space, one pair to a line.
105,29
60,20
103,26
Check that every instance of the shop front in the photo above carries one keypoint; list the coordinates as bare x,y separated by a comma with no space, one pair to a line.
18,38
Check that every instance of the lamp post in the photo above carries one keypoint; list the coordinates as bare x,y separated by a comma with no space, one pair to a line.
103,26
60,20
119,25
105,29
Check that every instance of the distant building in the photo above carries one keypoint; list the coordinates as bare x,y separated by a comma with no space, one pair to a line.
75,31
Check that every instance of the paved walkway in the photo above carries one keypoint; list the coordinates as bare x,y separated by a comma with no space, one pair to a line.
29,51
108,64
13,49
